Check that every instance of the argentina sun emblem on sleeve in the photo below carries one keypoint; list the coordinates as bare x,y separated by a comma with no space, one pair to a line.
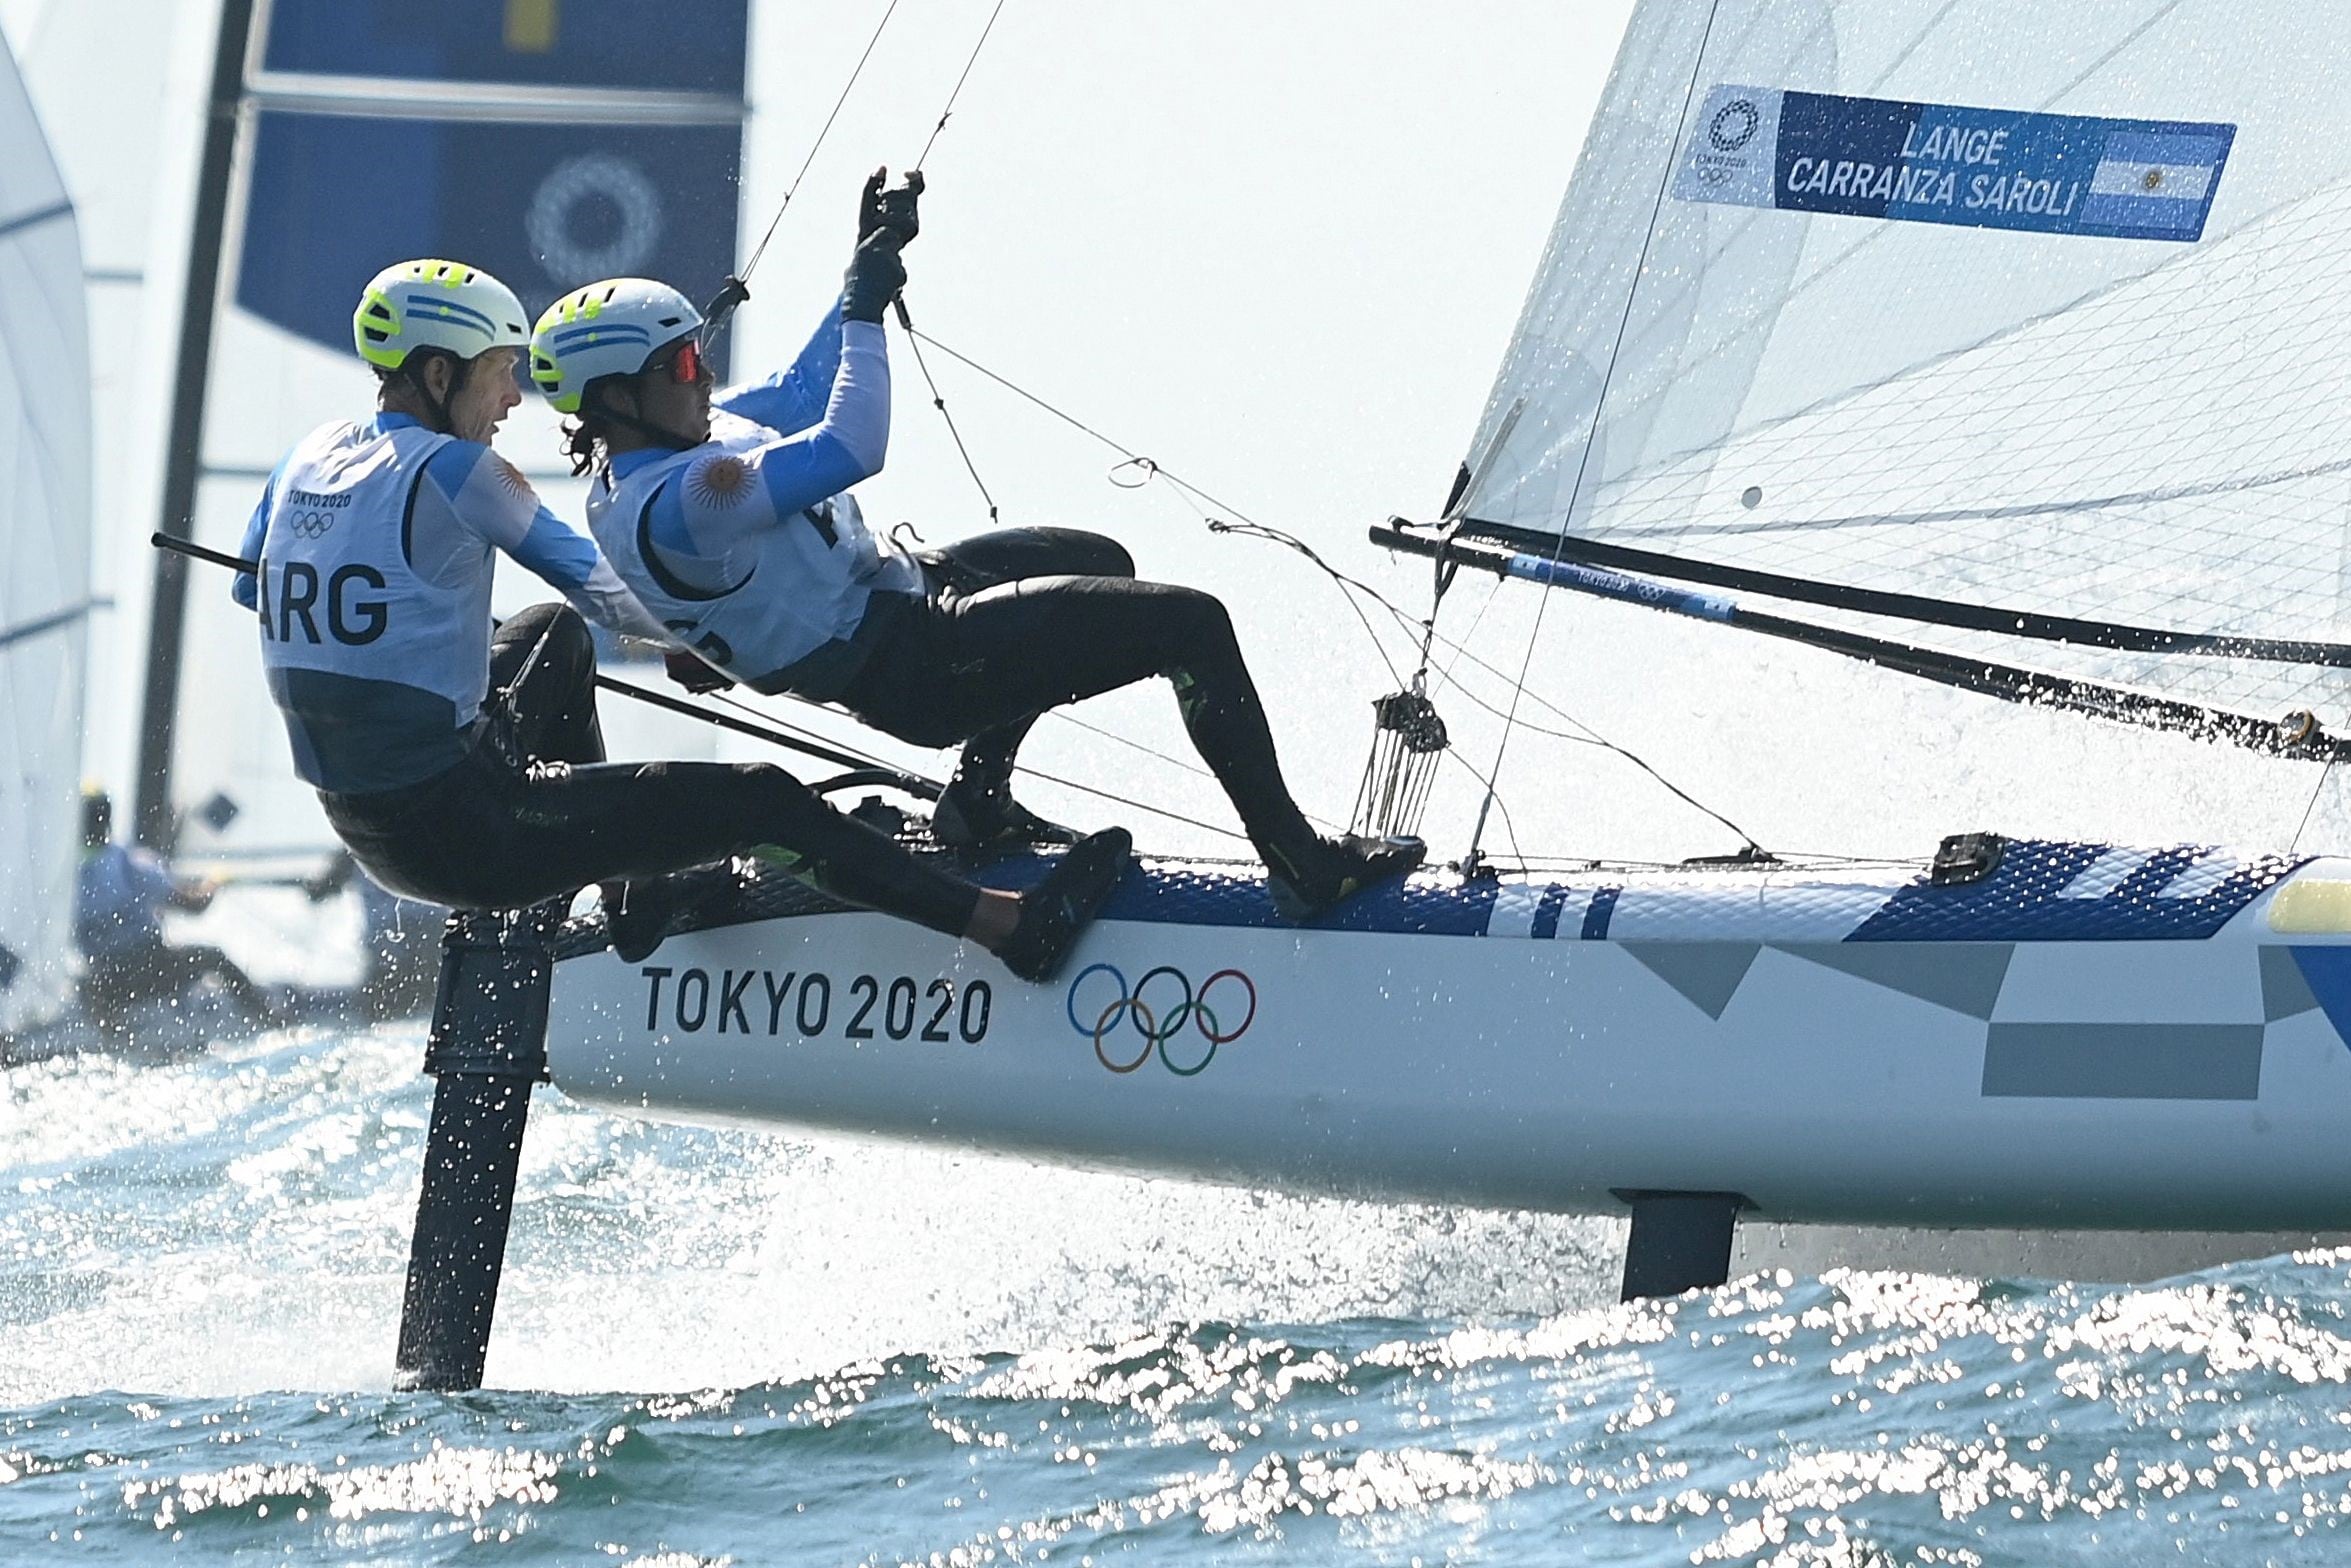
509,477
719,481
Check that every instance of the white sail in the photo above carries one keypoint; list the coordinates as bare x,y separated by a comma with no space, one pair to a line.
44,554
2083,376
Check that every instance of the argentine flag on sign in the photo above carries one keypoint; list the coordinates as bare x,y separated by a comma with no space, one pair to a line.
2155,181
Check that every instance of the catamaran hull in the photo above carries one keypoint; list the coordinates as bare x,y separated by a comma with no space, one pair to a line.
2089,1037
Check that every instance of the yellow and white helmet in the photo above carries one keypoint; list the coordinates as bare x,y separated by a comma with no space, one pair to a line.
446,305
610,328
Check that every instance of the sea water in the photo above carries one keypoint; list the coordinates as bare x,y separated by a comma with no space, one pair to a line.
720,1347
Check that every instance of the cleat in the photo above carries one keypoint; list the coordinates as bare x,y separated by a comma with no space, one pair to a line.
1058,909
1336,869
650,907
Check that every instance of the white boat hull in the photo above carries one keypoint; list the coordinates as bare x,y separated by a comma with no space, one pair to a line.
2091,1037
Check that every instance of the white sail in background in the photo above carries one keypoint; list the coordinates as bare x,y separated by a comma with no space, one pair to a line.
44,554
2097,379
131,177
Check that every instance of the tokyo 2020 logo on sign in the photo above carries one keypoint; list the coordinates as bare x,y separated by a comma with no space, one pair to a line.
1162,1013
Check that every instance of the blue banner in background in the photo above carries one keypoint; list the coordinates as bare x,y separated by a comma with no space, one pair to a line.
545,208
1939,163
692,47
361,156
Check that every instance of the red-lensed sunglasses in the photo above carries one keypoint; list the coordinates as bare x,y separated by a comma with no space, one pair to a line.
685,365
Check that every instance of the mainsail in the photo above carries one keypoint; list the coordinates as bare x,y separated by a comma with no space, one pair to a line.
1997,342
44,555
549,141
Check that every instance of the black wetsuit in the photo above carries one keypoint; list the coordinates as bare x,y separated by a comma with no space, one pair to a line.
1026,619
114,982
495,832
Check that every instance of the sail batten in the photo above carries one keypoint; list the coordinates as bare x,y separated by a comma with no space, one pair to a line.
2002,331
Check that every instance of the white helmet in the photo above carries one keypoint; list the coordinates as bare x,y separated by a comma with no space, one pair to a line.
435,304
612,328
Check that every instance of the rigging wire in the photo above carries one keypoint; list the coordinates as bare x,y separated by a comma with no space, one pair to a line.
1193,495
898,302
2316,790
939,402
1152,752
957,92
1151,469
765,716
1416,627
817,146
1584,460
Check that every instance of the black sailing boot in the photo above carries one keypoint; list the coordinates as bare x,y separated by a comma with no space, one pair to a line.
639,914
1056,910
1308,878
977,811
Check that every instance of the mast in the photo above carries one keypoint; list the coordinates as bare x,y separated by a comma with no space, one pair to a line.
159,710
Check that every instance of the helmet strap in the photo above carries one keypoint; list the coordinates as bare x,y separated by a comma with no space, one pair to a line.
443,424
660,435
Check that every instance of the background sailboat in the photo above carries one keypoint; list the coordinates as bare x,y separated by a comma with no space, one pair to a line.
44,558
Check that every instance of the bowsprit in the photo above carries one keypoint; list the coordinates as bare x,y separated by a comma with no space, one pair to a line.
1164,1007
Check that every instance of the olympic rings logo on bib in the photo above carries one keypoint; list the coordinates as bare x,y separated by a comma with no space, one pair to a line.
1162,1013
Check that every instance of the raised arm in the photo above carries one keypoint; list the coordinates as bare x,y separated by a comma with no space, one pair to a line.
848,443
797,398
793,398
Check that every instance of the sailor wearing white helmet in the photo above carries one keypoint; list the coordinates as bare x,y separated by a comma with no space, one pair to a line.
467,769
731,520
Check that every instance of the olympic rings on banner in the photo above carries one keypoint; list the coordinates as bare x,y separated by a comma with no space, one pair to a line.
1160,1016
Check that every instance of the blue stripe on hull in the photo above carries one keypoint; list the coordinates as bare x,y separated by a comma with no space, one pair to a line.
2041,892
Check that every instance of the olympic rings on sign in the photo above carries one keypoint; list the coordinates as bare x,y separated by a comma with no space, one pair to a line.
1156,1025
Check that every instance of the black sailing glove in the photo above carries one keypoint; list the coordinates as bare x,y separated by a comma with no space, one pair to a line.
879,209
874,277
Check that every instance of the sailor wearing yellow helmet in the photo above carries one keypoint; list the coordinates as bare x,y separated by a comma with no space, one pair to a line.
466,768
731,519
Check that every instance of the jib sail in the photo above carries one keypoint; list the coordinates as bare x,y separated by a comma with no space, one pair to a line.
1991,340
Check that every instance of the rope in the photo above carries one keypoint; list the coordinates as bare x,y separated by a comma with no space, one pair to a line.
898,303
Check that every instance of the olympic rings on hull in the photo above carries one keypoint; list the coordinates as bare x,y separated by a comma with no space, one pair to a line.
1155,1009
